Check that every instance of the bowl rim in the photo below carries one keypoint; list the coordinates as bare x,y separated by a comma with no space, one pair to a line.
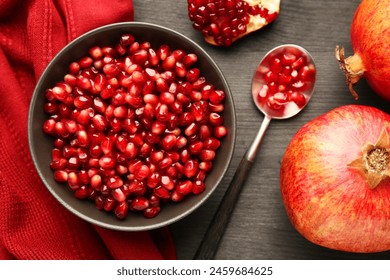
34,98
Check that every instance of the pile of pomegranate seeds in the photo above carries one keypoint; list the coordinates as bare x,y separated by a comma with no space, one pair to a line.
224,21
134,127
287,77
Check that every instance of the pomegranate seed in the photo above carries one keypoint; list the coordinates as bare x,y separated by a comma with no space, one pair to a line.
184,188
121,210
163,52
151,212
198,187
176,196
298,98
153,57
49,126
107,162
189,60
153,180
161,192
139,203
167,182
82,192
118,195
193,75
142,173
220,131
61,176
217,96
96,182
287,59
205,166
126,40
196,147
191,168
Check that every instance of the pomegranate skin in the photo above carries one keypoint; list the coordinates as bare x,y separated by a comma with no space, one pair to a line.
370,38
328,202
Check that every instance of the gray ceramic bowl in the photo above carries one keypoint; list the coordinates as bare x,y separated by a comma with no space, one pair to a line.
41,144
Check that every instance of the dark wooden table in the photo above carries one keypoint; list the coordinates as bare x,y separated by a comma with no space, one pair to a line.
259,227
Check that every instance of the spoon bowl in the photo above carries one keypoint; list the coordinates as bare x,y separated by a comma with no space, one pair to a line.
279,93
290,109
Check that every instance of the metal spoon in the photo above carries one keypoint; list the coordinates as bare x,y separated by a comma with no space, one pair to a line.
216,229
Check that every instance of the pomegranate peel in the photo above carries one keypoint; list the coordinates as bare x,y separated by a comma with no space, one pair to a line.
370,39
224,22
334,180
374,163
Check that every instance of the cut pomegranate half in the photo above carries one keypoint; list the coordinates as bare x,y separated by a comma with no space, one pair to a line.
223,22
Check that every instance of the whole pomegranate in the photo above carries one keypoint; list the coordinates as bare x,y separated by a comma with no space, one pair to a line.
334,180
370,36
223,22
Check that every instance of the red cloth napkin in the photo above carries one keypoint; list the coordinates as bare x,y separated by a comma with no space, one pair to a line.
33,225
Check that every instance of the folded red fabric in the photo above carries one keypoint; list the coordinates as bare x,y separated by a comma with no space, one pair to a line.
33,225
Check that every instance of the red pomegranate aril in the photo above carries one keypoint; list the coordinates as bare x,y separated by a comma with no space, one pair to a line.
275,65
191,167
139,203
191,129
118,195
162,112
287,59
206,166
176,197
142,173
161,192
207,155
196,147
126,40
298,98
82,192
61,176
306,73
158,127
164,163
297,64
198,187
168,142
121,210
109,204
184,187
107,162
220,131
49,126
217,96
114,182
151,212
189,60
153,180
167,182
99,202
85,62
193,75
96,182
74,68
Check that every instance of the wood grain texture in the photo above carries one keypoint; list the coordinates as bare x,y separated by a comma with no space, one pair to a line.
259,227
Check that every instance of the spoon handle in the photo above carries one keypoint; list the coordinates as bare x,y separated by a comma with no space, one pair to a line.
212,237
210,242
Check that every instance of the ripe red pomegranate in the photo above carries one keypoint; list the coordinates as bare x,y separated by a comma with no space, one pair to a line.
223,22
370,36
335,181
